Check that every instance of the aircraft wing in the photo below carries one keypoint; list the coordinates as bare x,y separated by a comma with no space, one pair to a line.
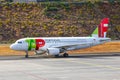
67,46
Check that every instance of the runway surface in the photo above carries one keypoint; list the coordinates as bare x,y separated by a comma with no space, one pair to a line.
75,67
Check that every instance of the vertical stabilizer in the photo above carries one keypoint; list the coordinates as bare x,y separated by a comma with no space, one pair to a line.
101,30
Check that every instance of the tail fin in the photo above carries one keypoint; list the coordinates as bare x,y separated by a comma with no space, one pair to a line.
101,30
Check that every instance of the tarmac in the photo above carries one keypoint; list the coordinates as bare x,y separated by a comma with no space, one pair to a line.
75,67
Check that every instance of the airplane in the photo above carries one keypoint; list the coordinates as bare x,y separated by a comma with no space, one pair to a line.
56,45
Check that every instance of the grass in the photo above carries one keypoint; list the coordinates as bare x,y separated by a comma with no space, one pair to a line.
104,48
109,47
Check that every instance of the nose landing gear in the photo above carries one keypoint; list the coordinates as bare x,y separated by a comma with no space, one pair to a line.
26,55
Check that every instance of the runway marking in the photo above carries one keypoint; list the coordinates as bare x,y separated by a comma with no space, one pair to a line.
96,65
36,77
86,63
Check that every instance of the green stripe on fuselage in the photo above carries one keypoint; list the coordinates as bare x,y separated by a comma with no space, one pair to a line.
31,44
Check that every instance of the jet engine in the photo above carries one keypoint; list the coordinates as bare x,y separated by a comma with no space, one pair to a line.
53,51
39,52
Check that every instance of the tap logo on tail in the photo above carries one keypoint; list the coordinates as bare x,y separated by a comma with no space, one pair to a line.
103,27
101,30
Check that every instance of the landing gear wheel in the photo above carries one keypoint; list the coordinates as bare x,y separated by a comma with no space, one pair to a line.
26,56
65,55
56,55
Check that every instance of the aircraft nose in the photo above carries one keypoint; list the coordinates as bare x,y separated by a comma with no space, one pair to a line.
12,46
18,47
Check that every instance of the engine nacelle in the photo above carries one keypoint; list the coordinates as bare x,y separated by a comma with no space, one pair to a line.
39,52
53,51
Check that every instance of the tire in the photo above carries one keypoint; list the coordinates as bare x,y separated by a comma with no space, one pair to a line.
65,55
57,55
26,56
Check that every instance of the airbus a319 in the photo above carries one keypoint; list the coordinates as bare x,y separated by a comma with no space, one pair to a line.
60,45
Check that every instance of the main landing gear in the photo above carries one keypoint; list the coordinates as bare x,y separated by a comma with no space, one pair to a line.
65,54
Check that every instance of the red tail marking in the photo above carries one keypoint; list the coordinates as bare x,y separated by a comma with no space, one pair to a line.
103,27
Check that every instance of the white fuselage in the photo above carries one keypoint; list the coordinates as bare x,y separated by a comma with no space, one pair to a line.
58,43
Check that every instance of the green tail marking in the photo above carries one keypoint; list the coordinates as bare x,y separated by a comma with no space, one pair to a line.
95,32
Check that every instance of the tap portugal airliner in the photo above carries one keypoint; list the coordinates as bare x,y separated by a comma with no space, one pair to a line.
57,45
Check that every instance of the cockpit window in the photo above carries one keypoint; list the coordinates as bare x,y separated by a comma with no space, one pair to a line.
19,42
